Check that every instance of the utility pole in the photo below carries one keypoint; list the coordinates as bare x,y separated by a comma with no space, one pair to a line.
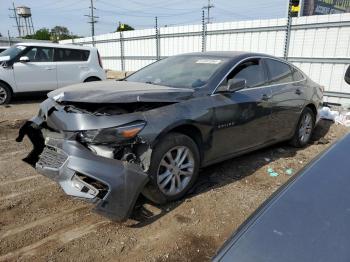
92,21
204,29
208,7
16,18
157,39
293,11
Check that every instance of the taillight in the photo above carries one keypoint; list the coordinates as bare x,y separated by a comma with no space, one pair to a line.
99,59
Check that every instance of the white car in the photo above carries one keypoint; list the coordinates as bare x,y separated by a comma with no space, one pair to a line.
41,67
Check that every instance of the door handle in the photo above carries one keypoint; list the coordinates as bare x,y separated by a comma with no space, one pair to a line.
265,97
298,91
83,67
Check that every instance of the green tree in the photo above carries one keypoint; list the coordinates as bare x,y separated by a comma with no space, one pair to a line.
124,27
60,33
41,34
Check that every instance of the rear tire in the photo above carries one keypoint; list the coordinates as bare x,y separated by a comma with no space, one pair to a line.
5,94
173,170
304,128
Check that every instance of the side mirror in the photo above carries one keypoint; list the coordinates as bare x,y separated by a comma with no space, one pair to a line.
347,76
24,59
233,85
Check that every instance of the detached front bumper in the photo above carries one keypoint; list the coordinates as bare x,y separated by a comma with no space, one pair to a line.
112,184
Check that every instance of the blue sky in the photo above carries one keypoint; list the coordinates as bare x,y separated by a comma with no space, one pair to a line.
137,13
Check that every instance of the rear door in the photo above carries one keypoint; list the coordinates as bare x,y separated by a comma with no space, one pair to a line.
72,65
243,117
39,74
287,97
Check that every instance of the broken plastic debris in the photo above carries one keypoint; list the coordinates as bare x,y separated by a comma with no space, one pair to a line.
267,159
272,172
289,171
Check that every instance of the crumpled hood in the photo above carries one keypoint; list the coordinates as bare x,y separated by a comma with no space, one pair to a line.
119,92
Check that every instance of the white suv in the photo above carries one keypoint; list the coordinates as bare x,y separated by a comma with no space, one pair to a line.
34,67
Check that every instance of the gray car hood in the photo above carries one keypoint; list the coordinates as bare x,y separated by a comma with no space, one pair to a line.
119,92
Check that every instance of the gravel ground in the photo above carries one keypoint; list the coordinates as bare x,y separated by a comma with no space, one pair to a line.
38,222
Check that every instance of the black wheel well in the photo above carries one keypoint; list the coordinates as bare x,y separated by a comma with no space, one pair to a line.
313,108
92,78
6,84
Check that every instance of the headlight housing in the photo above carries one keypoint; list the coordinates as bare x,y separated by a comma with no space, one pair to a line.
113,134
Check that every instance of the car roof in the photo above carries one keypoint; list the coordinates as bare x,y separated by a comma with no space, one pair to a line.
227,54
56,45
307,220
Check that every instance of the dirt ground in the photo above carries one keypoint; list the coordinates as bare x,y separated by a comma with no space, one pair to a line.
38,222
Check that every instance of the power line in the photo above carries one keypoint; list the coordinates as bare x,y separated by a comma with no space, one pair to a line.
160,7
92,21
132,14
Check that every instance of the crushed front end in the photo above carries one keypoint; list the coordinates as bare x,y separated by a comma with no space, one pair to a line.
105,174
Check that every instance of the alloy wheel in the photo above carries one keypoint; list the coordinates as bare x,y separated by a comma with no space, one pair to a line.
305,128
3,95
175,170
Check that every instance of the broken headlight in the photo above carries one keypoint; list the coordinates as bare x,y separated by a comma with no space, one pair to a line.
113,134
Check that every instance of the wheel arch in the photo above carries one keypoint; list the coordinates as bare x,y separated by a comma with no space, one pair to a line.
186,128
313,108
8,85
96,78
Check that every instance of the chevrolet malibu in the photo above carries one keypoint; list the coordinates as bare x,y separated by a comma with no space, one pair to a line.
151,132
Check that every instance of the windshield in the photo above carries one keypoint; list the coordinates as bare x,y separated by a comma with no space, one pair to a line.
12,52
179,71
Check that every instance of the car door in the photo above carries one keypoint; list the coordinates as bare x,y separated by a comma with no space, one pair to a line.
37,74
287,97
72,65
242,118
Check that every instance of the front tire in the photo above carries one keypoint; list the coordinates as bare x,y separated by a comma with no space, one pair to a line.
5,94
173,170
304,128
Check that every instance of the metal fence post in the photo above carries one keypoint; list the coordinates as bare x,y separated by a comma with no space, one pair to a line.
9,37
157,40
122,58
288,31
204,32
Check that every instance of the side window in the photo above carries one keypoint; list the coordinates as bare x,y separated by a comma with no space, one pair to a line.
297,75
40,54
252,71
66,55
279,72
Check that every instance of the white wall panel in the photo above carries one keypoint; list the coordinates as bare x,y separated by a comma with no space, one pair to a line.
328,42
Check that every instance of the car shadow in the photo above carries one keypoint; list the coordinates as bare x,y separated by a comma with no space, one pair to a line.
28,99
221,174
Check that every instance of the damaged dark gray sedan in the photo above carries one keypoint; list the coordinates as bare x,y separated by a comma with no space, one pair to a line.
150,133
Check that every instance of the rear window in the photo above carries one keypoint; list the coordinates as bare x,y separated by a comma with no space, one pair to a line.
65,55
297,75
280,72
